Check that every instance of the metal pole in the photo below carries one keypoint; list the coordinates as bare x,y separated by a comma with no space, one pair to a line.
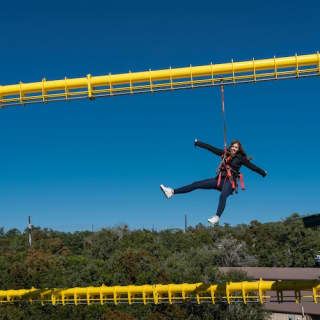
185,223
29,231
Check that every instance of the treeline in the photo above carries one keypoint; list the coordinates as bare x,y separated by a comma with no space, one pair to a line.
120,256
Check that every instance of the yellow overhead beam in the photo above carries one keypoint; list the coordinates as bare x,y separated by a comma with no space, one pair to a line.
159,80
242,292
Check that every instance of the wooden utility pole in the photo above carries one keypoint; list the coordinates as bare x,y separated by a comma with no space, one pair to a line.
29,232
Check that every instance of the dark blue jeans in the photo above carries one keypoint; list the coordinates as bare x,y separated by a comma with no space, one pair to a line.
225,188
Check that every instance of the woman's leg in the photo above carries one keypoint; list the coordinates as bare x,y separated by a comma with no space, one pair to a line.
225,193
203,184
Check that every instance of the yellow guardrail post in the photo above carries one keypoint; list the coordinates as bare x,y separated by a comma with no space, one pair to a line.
66,89
170,293
101,294
260,290
90,95
155,295
53,299
228,291
21,93
115,295
44,93
315,295
297,294
297,66
244,292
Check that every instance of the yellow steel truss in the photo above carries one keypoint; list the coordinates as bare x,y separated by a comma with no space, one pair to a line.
160,80
243,292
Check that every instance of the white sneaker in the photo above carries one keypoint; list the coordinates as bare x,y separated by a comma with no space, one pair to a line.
214,220
168,192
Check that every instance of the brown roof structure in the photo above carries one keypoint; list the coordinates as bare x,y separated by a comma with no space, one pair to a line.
290,307
283,274
277,273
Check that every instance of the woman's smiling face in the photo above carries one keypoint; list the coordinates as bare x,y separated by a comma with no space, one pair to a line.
234,149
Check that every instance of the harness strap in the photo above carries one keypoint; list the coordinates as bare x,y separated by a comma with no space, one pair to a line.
233,185
241,181
224,166
219,180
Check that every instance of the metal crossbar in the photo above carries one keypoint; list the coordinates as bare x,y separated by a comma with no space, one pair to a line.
91,87
231,292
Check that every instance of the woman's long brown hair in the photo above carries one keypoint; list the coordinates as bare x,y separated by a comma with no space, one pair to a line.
241,150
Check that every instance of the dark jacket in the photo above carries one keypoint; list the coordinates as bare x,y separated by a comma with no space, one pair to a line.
236,162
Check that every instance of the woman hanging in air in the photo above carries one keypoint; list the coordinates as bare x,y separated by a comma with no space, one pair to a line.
228,175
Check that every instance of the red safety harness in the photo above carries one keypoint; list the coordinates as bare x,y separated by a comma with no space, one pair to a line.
224,166
231,174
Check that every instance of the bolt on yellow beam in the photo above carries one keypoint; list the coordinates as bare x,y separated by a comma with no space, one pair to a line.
158,80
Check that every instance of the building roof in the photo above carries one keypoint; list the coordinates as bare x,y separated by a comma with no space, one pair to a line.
277,273
311,221
289,307
283,274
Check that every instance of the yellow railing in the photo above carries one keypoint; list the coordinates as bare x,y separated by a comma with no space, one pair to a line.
160,80
243,292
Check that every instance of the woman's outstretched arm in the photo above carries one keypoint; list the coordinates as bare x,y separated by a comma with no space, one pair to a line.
253,167
203,145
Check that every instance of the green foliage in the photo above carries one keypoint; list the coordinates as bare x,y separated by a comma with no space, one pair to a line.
282,244
119,256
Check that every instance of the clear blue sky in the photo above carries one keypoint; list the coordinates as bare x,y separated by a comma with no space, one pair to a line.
71,165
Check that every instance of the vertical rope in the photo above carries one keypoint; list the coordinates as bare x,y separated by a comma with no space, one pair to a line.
224,120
